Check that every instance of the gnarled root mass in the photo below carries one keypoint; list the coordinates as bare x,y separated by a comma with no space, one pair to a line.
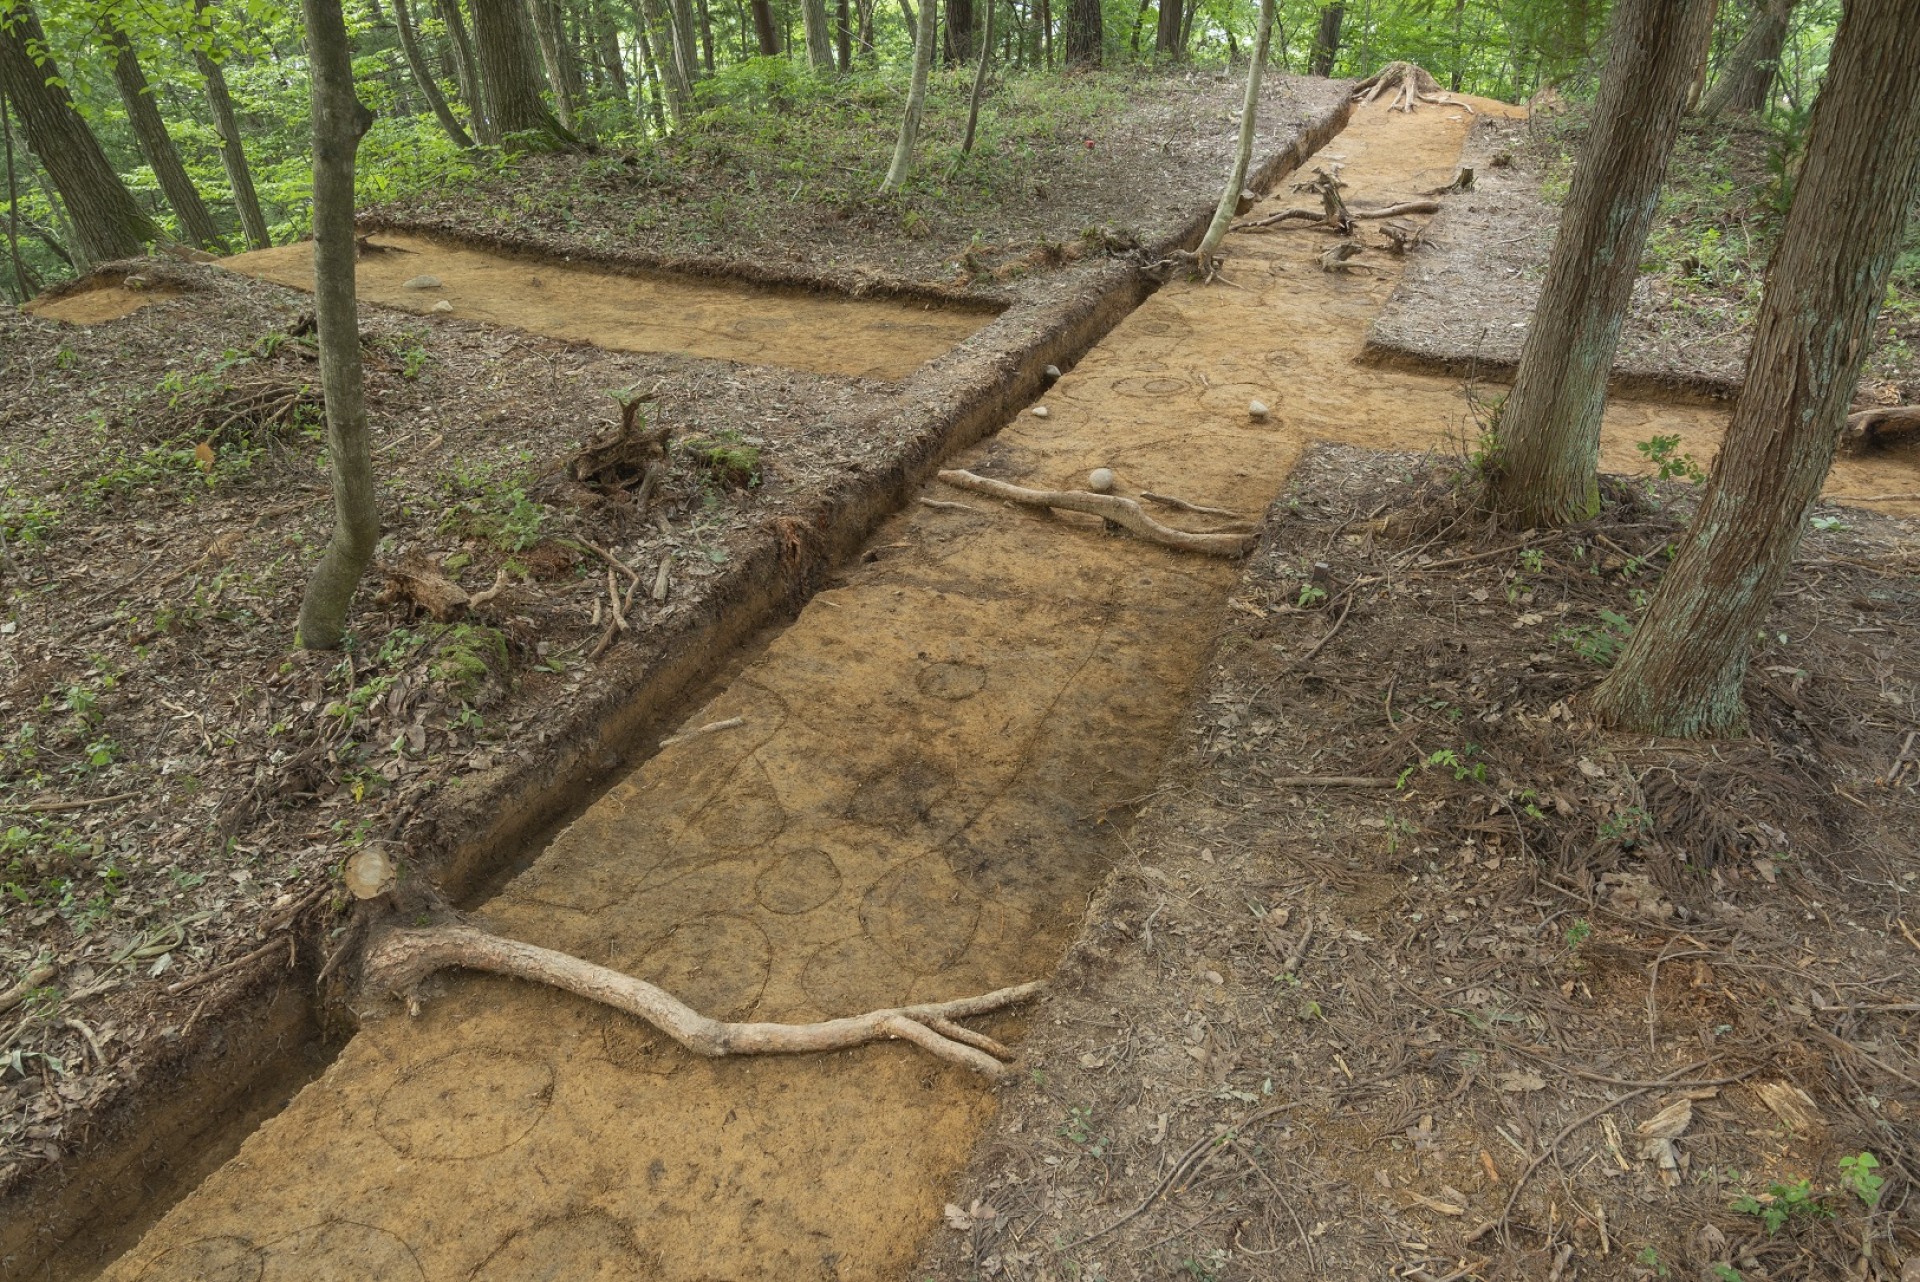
401,959
1408,83
1123,512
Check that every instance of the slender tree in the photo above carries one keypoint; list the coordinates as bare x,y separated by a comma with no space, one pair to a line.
423,75
1681,672
763,29
552,44
1086,38
1326,38
1746,78
1547,468
466,71
26,282
979,82
150,132
681,29
666,64
511,70
923,38
843,35
107,223
1243,153
339,121
233,154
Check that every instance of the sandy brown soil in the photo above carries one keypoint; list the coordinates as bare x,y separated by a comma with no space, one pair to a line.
922,787
1424,1030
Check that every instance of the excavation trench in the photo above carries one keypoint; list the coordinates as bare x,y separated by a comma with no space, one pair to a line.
931,770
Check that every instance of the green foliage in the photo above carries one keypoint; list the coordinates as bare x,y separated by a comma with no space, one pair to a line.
493,508
1460,762
1598,643
1784,1204
1666,456
1858,1174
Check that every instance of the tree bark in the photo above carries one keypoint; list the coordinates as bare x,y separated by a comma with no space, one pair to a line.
233,153
706,36
1746,81
959,32
511,71
1223,213
1681,672
764,30
107,223
680,15
979,81
423,76
28,284
1547,468
546,30
156,144
1166,35
1326,38
923,39
608,41
818,32
1085,35
650,80
466,71
655,30
339,121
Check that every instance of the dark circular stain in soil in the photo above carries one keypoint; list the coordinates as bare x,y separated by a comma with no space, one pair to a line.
953,680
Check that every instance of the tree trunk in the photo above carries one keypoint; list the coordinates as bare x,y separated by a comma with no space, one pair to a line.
764,30
650,80
818,33
423,75
511,72
608,41
156,144
1166,35
1546,472
958,45
706,35
923,39
865,37
107,223
1085,37
1681,672
339,121
465,71
233,154
27,283
1746,81
1326,38
979,81
1243,154
666,60
680,18
546,30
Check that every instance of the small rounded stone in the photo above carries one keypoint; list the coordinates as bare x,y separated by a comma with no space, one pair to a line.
1257,409
443,306
1100,480
1041,411
1053,373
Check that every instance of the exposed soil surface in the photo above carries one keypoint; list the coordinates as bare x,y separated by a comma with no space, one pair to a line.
1559,1004
1462,306
823,333
923,785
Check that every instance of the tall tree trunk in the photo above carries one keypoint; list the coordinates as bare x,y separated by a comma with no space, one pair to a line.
107,223
651,89
706,35
423,75
1166,35
819,35
466,71
608,41
1700,64
843,35
156,144
959,32
1681,672
1046,30
865,8
1326,38
1746,81
511,71
1085,37
1243,153
1139,21
680,14
233,154
1546,472
764,30
546,30
979,81
28,284
1459,43
339,121
923,39
666,61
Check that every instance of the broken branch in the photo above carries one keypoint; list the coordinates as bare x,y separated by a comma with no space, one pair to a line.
1121,511
403,958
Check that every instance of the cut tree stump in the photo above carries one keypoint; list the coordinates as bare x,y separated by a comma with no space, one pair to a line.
1408,83
400,959
1123,512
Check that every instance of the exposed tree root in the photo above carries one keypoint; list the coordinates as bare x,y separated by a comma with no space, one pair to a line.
1181,505
1408,84
1123,512
1878,428
1351,215
401,959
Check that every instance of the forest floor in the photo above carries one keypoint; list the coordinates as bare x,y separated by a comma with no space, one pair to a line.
1485,255
178,787
1519,999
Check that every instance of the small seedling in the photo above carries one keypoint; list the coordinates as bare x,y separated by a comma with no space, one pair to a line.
1857,1173
1665,454
1783,1204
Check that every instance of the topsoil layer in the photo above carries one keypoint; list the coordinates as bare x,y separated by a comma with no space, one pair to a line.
1412,972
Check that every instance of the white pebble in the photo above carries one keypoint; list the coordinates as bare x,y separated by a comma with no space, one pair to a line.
443,306
423,282
1053,373
1041,411
1100,480
1257,409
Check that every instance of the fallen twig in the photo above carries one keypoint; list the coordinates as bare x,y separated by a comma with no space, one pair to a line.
1331,781
194,981
944,505
1121,511
403,958
731,723
37,977
49,807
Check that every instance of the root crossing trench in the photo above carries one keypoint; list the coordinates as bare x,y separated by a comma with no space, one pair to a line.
925,786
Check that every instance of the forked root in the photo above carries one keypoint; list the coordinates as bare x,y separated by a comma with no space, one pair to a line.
403,958
1121,511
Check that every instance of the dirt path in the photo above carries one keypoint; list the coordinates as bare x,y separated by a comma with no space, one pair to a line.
928,782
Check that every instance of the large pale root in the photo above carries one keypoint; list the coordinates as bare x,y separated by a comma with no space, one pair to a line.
1121,511
403,958
1408,83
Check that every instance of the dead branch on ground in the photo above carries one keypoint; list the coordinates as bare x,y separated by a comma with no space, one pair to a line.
401,959
1122,512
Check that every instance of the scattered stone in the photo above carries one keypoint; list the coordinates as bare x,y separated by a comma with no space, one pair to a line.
1257,409
1100,480
1041,411
422,282
1053,373
443,306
